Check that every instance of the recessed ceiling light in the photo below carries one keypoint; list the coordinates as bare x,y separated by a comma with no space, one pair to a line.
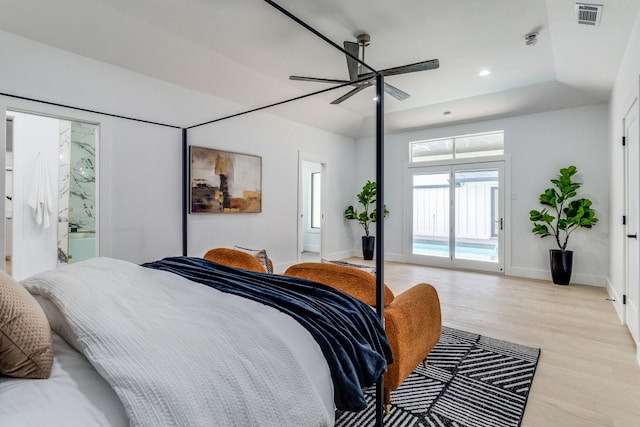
484,73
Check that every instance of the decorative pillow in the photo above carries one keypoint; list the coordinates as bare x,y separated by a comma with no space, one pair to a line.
26,347
367,268
260,254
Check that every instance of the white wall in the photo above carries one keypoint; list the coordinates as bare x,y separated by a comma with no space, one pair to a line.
275,229
145,178
625,91
140,164
538,146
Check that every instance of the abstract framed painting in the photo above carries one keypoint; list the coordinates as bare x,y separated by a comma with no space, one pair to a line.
224,182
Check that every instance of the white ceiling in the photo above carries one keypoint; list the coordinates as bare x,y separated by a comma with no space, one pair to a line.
244,50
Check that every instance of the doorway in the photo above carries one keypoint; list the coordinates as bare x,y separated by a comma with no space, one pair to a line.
458,216
311,218
632,221
53,190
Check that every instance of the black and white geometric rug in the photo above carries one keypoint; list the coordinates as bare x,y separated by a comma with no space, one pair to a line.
470,381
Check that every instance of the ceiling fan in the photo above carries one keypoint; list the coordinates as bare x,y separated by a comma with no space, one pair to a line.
357,71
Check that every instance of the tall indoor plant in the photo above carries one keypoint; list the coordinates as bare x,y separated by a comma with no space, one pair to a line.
367,216
560,219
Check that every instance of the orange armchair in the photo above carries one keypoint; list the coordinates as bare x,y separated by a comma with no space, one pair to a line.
237,259
413,321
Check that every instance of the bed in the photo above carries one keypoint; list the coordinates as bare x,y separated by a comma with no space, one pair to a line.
185,341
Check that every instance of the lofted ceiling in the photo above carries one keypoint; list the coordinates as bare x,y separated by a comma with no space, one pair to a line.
244,50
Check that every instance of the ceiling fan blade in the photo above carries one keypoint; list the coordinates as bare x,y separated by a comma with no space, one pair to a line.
352,64
350,94
431,64
317,79
395,92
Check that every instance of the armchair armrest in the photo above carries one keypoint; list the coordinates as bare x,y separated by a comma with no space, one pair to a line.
413,323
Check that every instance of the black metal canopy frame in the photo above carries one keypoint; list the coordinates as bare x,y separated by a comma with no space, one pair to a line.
379,78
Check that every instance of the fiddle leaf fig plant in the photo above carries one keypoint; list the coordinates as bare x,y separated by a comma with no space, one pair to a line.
562,216
369,214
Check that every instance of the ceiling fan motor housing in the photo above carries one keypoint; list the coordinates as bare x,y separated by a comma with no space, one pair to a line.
364,39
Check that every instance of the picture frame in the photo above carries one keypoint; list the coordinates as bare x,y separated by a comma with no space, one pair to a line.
224,181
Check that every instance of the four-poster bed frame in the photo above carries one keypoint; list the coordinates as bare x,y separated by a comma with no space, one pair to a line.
379,82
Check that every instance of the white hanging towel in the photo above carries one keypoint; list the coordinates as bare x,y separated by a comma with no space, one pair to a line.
40,194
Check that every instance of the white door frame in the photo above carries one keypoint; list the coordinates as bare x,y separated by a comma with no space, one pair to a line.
103,159
301,228
631,165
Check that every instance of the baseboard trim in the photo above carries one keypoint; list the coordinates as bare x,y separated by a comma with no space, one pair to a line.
339,255
395,258
578,279
616,297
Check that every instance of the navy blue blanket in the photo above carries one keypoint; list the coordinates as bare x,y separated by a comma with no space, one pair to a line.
348,331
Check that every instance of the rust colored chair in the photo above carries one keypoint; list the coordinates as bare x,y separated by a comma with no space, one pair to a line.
236,258
413,322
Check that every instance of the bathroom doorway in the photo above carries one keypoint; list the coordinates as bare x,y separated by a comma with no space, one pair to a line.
51,214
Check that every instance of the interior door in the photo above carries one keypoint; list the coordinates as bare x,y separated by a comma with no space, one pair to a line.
458,216
632,209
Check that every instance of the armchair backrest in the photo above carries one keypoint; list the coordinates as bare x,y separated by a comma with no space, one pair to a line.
350,280
235,258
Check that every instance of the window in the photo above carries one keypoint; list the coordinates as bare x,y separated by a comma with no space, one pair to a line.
458,147
316,211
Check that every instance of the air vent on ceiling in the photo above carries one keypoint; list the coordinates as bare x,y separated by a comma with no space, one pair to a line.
588,14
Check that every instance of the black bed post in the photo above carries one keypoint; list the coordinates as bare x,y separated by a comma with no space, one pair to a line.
380,229
185,190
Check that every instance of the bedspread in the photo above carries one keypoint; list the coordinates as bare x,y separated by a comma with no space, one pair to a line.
349,333
173,354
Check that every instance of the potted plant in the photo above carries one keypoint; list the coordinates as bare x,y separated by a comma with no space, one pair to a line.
560,219
369,214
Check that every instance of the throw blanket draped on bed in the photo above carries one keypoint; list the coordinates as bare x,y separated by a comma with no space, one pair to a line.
347,330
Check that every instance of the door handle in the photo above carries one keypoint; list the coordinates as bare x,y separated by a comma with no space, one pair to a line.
632,236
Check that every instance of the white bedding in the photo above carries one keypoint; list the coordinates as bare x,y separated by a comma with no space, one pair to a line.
74,396
179,353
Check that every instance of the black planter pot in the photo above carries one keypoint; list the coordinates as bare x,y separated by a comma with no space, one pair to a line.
368,246
561,266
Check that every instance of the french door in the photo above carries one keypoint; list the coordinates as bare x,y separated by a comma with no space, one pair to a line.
458,216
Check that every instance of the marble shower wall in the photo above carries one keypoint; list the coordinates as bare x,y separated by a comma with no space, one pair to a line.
64,166
76,184
82,186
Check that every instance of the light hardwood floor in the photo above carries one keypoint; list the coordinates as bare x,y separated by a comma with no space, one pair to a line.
587,375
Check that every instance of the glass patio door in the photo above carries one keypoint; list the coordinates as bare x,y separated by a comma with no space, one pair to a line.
458,216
